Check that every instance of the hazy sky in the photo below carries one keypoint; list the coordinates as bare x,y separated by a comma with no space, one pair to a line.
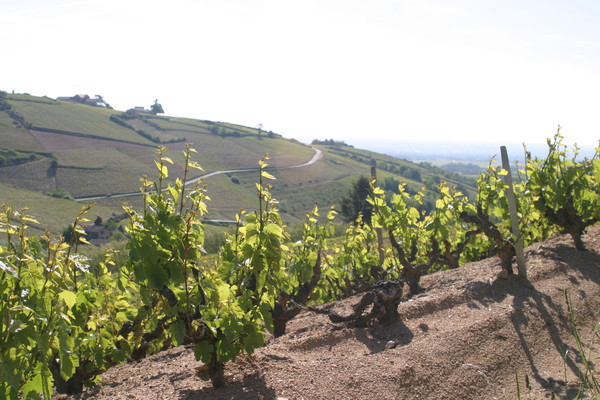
464,70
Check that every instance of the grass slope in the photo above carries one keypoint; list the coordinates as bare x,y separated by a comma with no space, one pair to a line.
75,118
16,137
81,150
52,213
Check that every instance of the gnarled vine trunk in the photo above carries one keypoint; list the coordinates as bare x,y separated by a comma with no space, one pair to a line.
505,249
384,297
289,306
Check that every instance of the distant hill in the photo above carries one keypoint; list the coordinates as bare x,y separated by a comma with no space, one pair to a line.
78,150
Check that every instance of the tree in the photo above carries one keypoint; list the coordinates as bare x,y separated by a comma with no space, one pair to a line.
67,233
390,184
101,102
157,108
357,202
4,106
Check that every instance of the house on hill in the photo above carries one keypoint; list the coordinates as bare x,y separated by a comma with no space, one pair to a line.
97,234
96,101
140,110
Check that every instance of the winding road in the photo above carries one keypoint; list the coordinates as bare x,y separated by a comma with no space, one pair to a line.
316,157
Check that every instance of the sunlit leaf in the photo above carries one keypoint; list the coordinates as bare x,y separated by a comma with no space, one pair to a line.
68,297
267,175
195,165
162,169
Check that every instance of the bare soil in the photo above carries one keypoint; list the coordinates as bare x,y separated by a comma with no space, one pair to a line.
469,335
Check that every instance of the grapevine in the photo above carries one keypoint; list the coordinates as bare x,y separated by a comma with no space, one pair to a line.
61,325
414,249
566,192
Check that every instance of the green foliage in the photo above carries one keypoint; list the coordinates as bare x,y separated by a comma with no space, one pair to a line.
11,157
406,228
350,267
30,310
463,168
65,319
157,108
56,328
253,257
566,191
490,215
61,193
166,242
4,106
221,311
305,254
356,203
390,184
448,233
303,283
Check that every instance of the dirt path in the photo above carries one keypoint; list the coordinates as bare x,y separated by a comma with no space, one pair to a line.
467,336
316,157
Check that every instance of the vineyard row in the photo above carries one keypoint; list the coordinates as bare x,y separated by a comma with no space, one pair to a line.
64,322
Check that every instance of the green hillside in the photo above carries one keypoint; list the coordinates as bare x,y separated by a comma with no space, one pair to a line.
50,146
52,213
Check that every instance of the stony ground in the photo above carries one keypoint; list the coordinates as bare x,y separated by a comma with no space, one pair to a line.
469,335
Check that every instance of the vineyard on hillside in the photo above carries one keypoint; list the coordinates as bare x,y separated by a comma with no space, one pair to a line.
466,336
64,322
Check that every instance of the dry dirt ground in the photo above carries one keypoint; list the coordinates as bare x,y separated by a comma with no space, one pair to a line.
469,335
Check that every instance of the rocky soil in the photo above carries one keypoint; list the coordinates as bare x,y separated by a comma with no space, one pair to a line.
469,335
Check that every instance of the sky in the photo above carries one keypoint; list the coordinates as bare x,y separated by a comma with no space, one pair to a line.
361,71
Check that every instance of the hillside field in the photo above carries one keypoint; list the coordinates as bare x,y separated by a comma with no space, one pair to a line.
93,152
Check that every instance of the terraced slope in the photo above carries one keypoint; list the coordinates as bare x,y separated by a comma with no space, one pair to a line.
91,151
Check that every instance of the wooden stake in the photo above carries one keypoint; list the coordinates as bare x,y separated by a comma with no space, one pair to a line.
514,218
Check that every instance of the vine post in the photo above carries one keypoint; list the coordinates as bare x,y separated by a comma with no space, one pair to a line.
514,218
378,231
